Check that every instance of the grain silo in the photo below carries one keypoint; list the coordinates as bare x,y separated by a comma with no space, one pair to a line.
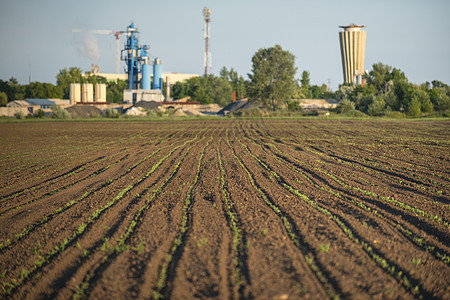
87,93
75,93
100,92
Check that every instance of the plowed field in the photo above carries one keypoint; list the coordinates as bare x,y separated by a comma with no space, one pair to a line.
267,209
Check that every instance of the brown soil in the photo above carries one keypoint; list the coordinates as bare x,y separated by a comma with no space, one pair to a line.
266,209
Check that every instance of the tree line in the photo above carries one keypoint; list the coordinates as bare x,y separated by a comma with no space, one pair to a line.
272,85
11,90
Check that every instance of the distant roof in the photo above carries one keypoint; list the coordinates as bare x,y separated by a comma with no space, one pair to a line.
48,101
353,25
18,103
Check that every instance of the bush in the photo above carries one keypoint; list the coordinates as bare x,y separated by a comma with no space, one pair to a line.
255,112
394,114
3,99
59,113
39,114
19,115
355,114
345,106
111,113
376,108
154,113
294,106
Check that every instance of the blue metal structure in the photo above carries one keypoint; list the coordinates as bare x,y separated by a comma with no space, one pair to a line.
145,80
157,75
135,56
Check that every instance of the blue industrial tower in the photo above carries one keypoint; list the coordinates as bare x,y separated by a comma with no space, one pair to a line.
135,56
157,75
138,62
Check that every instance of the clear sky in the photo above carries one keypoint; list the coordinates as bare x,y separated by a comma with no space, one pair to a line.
411,35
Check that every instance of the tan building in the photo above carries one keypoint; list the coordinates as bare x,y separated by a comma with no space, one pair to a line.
353,46
173,77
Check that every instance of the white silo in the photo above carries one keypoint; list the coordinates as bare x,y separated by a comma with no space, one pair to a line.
75,93
87,93
100,92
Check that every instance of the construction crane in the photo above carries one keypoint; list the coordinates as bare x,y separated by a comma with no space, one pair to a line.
115,33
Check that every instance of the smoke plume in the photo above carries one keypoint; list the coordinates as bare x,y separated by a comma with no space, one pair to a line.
88,46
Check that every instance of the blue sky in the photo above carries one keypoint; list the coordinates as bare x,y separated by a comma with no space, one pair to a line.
407,34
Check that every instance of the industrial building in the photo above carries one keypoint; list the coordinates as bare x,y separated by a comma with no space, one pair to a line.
172,77
144,75
353,45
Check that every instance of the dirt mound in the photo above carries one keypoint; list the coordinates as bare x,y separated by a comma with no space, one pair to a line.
238,105
83,111
318,103
135,111
150,105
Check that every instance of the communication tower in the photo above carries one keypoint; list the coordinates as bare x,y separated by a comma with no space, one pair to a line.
207,58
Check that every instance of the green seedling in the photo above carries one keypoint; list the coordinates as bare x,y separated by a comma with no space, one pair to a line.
140,246
202,242
325,248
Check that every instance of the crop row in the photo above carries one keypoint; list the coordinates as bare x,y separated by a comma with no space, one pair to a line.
397,176
23,233
233,221
178,241
121,243
289,227
54,191
391,200
416,239
43,260
389,267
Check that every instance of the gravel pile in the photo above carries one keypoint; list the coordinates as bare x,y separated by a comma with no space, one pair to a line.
84,111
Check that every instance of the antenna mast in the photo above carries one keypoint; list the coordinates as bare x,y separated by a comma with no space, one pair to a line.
207,58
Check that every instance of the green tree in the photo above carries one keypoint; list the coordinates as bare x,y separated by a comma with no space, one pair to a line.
94,79
318,92
272,80
3,99
43,90
379,76
114,91
443,98
13,89
201,95
413,108
404,92
237,82
305,92
377,107
305,81
425,103
67,76
221,91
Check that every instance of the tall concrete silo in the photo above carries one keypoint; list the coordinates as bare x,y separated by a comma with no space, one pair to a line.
87,93
75,93
100,92
353,47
